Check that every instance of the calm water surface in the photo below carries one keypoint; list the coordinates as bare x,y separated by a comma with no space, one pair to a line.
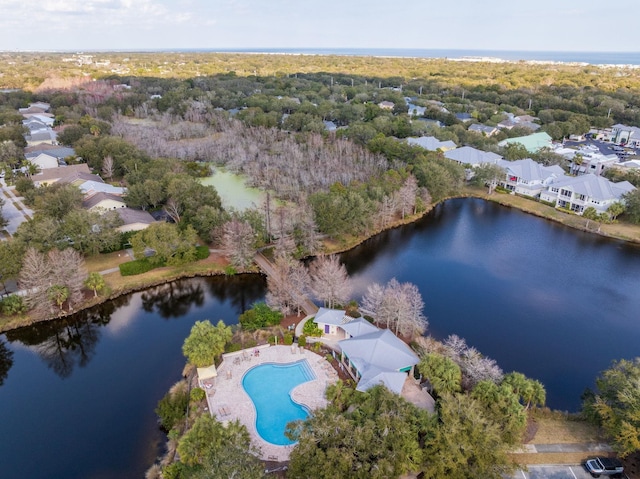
78,400
77,396
556,304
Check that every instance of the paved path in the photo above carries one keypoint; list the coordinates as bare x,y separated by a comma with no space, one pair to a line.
552,471
267,268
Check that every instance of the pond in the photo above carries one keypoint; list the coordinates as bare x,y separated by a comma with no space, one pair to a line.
233,190
77,396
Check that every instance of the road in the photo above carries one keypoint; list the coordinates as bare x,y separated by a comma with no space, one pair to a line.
553,472
14,210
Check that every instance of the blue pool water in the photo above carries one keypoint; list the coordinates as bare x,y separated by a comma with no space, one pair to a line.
269,386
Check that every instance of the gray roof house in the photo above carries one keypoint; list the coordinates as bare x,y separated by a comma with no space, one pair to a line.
483,129
471,156
134,220
581,192
371,355
464,117
526,177
431,143
627,135
378,357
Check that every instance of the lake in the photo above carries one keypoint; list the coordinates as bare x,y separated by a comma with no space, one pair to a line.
77,396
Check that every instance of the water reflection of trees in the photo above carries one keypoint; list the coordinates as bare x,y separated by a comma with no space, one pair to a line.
6,361
241,290
70,342
175,299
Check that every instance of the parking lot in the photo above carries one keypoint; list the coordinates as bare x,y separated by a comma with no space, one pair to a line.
553,472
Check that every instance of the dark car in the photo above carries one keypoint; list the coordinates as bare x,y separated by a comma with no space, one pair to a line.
605,466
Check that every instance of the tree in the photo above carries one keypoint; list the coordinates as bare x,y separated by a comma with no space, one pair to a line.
407,195
529,391
107,166
169,245
259,316
206,342
615,405
502,405
3,221
288,286
442,372
56,201
375,434
58,294
615,210
632,208
330,282
396,304
213,450
35,277
238,242
68,270
11,253
95,282
488,175
467,442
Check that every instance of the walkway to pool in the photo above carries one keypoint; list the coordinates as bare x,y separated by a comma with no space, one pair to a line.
228,400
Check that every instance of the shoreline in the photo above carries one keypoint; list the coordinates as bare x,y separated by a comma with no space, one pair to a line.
577,223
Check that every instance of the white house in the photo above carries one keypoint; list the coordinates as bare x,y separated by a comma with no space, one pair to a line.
526,177
44,161
472,156
330,320
483,129
581,192
431,143
626,135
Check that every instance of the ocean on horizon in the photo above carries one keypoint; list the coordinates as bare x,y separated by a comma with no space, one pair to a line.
593,58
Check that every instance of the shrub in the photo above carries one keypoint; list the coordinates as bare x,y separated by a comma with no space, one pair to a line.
288,339
230,270
259,316
232,347
172,408
311,329
137,266
197,394
12,305
202,252
302,341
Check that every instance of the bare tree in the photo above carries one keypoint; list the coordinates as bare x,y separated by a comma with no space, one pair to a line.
474,366
407,195
238,242
107,166
68,270
174,210
287,287
330,282
35,277
398,305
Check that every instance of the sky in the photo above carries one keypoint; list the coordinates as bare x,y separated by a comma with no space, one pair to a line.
540,25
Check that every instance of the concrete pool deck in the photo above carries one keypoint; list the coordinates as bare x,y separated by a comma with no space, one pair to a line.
228,401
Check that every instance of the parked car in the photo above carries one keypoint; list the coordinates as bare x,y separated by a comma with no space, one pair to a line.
605,466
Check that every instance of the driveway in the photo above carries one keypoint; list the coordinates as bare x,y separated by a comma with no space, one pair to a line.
553,472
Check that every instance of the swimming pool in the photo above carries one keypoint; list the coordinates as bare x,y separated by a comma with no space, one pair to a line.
269,386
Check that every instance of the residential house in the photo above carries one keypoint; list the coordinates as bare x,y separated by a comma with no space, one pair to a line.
483,129
134,220
431,122
625,135
591,160
53,175
579,193
44,161
102,202
413,109
60,152
524,121
330,321
46,136
464,117
431,143
533,143
329,125
386,105
378,357
371,355
526,177
470,156
93,186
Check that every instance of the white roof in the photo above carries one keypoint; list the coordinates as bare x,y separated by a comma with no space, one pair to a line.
207,373
358,327
394,381
431,143
529,170
378,352
471,156
330,316
92,187
595,187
